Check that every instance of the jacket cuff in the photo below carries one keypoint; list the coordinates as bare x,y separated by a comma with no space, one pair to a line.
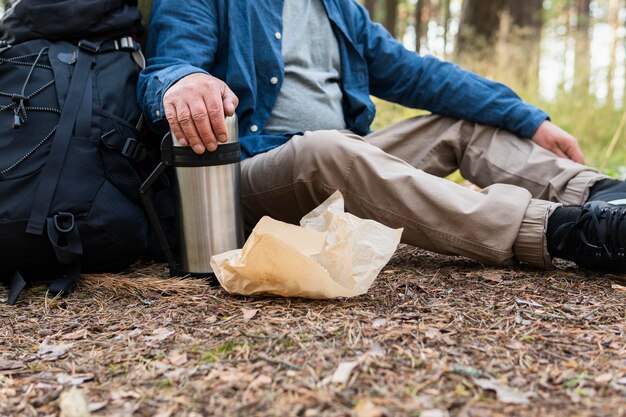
161,82
526,120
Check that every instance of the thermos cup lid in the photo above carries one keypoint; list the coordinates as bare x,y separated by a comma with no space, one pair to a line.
172,154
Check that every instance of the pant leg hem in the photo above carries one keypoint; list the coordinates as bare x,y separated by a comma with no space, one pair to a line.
577,191
531,245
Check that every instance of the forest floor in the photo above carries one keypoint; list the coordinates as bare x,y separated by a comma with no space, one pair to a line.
435,336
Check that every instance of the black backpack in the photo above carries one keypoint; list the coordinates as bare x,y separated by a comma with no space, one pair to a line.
70,151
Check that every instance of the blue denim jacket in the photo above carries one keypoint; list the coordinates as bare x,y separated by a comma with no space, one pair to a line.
239,41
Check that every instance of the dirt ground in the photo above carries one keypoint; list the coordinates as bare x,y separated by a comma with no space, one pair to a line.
435,336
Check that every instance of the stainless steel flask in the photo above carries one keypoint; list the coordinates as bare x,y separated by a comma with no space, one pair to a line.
208,202
208,199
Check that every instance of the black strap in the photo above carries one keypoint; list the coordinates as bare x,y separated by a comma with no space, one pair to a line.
18,283
65,239
83,119
147,193
129,147
52,170
66,283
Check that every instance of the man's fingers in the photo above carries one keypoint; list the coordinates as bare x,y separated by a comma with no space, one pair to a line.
186,122
172,119
230,101
558,152
202,123
215,110
196,107
575,153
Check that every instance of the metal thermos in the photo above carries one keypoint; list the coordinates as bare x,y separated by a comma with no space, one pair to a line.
208,199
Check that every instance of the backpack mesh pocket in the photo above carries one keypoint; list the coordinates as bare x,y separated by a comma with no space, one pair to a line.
119,169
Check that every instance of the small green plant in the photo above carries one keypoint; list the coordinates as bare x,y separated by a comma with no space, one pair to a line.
219,353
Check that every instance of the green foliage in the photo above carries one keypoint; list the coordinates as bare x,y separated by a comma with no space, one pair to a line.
220,352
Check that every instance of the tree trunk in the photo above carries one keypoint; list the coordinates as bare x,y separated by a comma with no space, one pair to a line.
391,16
446,25
614,23
481,23
583,14
526,13
419,26
422,17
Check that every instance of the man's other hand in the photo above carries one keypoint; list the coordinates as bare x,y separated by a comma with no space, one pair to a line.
558,141
195,108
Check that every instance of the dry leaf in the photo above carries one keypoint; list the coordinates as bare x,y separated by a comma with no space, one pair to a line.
73,404
260,381
52,352
78,334
9,365
528,303
343,372
121,394
504,393
366,408
433,413
93,407
493,277
618,287
604,378
432,333
379,323
66,379
177,358
165,411
376,350
160,334
249,314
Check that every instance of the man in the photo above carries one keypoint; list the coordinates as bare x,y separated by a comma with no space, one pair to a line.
300,73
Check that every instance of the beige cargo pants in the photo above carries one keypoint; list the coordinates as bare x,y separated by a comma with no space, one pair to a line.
394,176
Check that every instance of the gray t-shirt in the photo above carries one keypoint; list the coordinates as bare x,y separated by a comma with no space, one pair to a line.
310,96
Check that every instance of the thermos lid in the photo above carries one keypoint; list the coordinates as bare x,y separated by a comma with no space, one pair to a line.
173,154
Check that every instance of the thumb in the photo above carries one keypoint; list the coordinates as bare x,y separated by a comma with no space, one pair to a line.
230,101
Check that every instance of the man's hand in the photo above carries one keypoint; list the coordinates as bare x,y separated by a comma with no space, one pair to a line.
558,141
195,108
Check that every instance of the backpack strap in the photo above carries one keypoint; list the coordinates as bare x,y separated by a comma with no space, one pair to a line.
17,285
52,170
65,239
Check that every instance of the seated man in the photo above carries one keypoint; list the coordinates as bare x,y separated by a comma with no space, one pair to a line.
299,74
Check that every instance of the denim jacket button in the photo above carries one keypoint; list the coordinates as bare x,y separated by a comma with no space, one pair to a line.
274,80
277,35
254,128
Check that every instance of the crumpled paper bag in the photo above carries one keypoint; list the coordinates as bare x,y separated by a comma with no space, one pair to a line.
331,254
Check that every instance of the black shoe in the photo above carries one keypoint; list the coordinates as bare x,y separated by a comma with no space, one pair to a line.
609,190
594,238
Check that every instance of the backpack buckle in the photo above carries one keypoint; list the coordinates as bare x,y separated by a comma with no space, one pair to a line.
126,43
134,149
89,46
64,222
